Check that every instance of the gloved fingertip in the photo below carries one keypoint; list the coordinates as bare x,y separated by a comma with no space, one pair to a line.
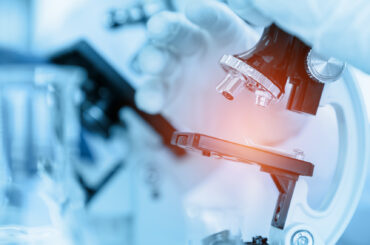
202,14
161,26
155,61
150,97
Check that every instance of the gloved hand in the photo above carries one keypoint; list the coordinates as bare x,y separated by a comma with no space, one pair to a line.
181,65
333,28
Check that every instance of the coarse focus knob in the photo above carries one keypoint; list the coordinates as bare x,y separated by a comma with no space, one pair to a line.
322,69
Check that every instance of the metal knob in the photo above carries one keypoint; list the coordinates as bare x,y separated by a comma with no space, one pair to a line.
302,237
230,86
324,69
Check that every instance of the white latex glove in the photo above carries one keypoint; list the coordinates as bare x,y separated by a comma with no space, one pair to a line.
333,28
182,69
247,10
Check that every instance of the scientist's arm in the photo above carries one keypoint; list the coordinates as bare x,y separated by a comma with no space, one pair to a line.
333,28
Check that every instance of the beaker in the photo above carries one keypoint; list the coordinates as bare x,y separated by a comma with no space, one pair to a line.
39,133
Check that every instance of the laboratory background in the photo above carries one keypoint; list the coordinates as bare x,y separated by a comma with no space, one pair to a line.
184,122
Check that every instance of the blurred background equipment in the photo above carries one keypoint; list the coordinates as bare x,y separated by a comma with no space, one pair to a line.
137,13
39,136
105,92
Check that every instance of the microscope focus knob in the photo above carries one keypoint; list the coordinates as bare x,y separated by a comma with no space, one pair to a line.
322,69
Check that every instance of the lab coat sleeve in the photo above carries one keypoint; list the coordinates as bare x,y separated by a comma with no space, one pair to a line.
335,28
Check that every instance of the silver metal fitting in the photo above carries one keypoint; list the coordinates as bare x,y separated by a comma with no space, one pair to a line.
230,86
263,98
298,154
241,75
302,237
322,69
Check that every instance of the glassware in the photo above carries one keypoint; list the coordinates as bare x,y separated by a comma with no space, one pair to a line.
39,134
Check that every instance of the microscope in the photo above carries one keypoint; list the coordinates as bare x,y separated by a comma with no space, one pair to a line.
279,58
279,65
